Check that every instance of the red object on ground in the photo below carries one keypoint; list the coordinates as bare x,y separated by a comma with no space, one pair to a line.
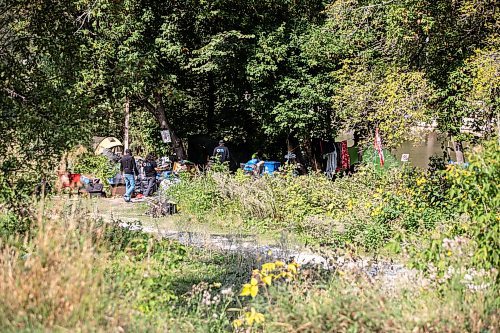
71,180
74,178
139,196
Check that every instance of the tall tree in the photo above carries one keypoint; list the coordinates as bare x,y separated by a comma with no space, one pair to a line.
40,113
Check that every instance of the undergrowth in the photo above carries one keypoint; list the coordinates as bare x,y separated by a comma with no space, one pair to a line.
390,212
366,210
63,270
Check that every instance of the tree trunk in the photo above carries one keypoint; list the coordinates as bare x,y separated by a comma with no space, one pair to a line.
158,111
127,123
311,159
459,153
293,146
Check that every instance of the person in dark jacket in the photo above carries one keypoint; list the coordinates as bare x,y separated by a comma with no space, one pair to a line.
221,153
150,172
129,169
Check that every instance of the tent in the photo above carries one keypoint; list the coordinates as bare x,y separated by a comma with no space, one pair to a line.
110,143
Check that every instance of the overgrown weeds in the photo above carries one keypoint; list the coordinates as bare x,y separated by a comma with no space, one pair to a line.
53,279
367,209
347,305
75,273
370,210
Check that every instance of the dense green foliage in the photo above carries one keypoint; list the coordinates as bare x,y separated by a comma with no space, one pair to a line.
475,191
96,166
265,75
471,239
372,211
259,73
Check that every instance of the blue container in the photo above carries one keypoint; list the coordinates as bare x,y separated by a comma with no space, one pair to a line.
271,167
116,180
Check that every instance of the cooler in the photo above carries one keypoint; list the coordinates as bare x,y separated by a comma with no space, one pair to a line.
271,167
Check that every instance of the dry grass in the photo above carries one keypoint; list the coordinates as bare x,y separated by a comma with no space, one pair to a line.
56,279
360,306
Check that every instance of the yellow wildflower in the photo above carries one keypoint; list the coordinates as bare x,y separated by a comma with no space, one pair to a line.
350,204
268,267
421,181
292,267
250,289
237,323
254,317
279,263
268,279
286,275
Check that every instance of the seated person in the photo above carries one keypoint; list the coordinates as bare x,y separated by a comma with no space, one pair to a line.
254,166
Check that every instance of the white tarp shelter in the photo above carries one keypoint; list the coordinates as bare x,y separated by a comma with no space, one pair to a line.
110,143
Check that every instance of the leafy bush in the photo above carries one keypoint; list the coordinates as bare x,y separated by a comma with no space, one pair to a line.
476,193
367,209
96,165
471,238
197,195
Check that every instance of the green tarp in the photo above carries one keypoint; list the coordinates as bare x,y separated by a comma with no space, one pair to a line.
370,157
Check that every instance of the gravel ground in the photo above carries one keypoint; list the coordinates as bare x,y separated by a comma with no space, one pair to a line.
391,275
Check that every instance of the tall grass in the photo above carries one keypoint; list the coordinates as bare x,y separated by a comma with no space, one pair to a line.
55,278
350,210
358,305
74,273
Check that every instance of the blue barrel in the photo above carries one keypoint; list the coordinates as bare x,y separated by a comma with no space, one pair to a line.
271,167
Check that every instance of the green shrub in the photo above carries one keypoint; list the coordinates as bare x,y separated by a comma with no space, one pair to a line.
470,238
197,195
476,193
98,166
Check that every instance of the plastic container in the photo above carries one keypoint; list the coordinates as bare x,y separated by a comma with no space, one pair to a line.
271,167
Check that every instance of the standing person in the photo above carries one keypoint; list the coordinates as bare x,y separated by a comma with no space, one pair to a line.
129,169
221,152
150,172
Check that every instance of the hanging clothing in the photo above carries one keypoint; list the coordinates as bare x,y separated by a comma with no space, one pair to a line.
344,156
331,164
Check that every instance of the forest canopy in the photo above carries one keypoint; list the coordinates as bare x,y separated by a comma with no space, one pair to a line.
259,73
